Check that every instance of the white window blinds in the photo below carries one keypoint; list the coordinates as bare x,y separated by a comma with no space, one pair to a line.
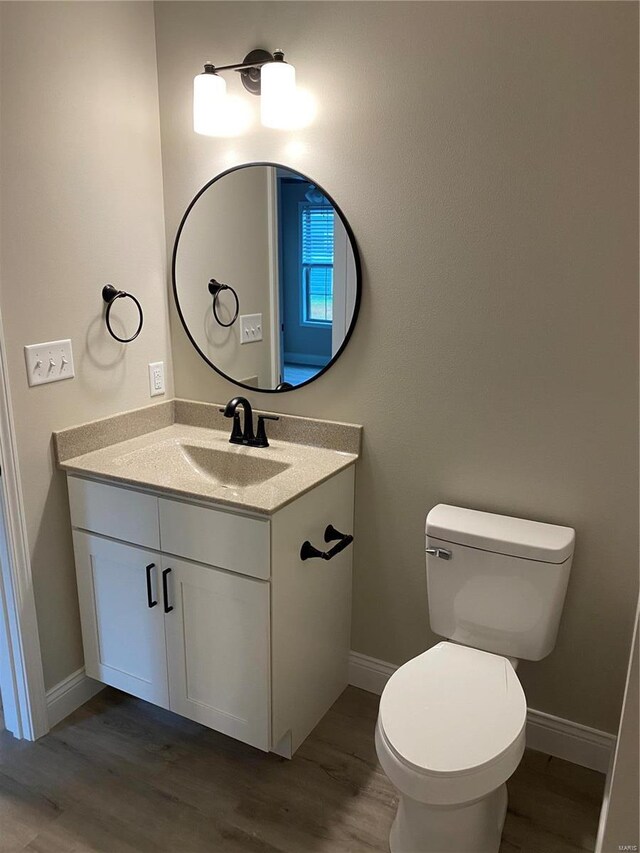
317,262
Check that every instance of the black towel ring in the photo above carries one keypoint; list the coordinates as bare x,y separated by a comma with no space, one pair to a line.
214,289
110,294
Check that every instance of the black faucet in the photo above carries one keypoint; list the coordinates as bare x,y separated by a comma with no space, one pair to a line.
246,436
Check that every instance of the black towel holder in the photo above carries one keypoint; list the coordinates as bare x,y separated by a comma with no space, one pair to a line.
110,294
308,552
215,287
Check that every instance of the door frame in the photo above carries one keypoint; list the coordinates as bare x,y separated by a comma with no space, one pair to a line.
24,696
344,284
273,227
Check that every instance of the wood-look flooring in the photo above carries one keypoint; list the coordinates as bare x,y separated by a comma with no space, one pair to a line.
122,776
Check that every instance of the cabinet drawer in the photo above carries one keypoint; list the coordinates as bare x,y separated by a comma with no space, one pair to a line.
216,537
113,511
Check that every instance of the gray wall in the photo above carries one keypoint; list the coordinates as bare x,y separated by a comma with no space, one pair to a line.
226,236
81,205
486,157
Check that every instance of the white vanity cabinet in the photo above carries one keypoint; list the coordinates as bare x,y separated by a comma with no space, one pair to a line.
202,651
124,638
217,638
210,611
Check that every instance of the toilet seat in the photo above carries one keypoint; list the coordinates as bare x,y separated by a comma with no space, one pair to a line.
451,725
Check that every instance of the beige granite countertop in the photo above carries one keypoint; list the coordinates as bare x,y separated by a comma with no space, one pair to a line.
167,459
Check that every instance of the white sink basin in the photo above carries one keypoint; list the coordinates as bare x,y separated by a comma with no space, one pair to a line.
229,468
232,466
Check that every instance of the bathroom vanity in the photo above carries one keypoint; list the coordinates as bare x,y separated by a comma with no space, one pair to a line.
193,592
214,578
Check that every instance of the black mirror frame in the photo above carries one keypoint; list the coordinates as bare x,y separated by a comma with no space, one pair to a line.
356,257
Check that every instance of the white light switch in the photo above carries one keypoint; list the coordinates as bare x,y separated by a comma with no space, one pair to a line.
156,378
250,328
49,362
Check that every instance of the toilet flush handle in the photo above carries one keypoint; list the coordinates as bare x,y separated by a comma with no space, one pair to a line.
439,552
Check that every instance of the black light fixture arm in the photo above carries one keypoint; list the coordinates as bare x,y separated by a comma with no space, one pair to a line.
249,68
276,56
210,68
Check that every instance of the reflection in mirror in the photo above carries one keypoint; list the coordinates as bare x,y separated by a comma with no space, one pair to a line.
266,277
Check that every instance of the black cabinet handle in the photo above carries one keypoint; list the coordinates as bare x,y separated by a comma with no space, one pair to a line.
165,592
150,600
308,552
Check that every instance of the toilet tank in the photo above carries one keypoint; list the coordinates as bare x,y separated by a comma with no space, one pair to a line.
495,582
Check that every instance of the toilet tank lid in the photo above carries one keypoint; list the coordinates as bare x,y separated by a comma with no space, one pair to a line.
503,534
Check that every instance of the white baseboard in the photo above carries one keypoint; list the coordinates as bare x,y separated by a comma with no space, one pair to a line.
546,733
369,673
571,741
69,694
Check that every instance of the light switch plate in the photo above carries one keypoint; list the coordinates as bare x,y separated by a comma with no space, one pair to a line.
156,378
250,328
49,362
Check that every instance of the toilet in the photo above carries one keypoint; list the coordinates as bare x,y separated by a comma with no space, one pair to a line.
451,724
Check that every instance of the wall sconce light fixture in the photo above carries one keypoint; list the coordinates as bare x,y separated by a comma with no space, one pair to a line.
282,106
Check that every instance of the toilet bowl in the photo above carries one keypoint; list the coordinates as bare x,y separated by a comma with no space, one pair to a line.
450,732
451,725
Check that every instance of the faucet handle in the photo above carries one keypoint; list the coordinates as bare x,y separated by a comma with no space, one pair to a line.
236,431
261,434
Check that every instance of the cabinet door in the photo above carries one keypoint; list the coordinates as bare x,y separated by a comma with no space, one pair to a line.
218,650
123,636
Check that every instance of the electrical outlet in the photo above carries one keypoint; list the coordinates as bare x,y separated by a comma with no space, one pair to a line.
250,328
49,362
156,378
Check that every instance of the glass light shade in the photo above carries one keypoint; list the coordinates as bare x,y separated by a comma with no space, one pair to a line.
209,97
277,95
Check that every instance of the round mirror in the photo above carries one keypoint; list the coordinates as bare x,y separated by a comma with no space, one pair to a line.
266,277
